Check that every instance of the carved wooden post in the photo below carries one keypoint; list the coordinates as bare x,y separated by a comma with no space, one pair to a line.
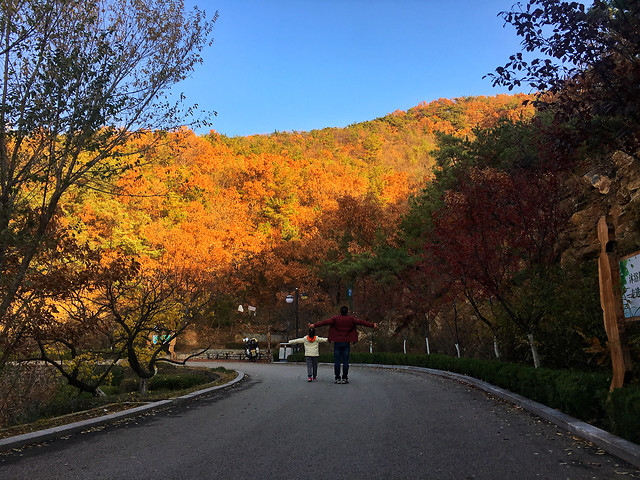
611,302
172,349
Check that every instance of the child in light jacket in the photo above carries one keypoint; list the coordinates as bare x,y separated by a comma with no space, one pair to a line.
311,351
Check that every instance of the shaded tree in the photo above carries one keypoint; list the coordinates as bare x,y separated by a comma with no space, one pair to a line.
63,328
497,236
79,78
148,311
584,64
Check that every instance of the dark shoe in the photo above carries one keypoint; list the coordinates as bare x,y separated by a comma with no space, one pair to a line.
345,380
314,379
338,380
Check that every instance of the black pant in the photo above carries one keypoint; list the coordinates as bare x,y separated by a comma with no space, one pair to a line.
341,356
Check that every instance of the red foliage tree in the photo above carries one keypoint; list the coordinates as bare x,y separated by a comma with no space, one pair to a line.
497,236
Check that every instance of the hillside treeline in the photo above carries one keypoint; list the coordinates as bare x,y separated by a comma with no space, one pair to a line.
259,216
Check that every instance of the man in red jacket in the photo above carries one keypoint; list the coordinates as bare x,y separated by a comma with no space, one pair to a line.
342,332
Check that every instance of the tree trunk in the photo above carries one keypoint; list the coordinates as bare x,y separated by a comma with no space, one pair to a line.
495,347
426,340
144,386
534,350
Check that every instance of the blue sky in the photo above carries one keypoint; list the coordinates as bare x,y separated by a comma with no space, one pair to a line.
299,65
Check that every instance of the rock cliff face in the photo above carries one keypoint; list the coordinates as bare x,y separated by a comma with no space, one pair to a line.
612,189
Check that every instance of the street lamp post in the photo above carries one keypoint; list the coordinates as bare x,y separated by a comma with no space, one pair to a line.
290,299
295,299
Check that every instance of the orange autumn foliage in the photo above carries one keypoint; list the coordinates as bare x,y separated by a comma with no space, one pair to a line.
263,211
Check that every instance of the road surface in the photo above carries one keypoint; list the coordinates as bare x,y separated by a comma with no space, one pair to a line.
385,424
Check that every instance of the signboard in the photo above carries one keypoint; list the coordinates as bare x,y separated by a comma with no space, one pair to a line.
155,338
630,284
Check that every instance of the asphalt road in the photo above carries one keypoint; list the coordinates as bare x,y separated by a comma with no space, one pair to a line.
385,424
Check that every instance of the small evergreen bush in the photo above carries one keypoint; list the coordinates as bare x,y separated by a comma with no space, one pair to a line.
129,385
176,382
622,412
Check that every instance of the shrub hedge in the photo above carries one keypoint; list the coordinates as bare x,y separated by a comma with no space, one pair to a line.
176,382
583,395
164,381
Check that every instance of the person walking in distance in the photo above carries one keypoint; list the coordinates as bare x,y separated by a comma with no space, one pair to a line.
342,332
311,352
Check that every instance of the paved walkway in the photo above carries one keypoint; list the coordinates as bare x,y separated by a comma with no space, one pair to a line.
385,424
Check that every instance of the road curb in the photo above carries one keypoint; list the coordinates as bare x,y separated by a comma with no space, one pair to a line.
621,448
64,430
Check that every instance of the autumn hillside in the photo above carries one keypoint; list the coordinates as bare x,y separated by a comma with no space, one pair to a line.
402,140
261,214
